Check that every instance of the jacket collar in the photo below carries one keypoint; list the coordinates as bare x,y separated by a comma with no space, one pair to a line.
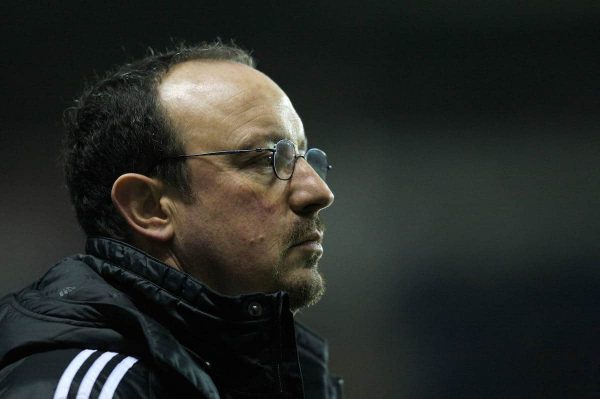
246,342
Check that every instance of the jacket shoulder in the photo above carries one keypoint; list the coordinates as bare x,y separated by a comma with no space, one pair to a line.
77,373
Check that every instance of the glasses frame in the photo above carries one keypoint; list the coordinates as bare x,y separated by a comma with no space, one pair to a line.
272,150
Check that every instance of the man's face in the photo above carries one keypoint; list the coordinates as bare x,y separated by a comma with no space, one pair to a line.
246,230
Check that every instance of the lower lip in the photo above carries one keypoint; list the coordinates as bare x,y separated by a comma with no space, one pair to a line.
310,246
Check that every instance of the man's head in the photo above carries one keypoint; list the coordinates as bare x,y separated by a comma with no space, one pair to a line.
227,220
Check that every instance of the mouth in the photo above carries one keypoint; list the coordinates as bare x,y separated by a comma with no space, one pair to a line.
312,242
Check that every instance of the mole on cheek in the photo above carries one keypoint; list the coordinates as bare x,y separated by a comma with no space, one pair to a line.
255,239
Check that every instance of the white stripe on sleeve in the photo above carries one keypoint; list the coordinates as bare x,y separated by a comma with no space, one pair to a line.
111,384
62,390
87,383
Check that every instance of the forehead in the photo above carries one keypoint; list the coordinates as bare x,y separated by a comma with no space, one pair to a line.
218,105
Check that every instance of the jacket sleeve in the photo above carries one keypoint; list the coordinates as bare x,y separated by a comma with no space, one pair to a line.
88,373
76,373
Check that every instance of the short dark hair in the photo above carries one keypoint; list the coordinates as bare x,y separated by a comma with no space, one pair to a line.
118,126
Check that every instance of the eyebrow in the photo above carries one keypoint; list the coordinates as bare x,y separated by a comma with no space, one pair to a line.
259,142
269,141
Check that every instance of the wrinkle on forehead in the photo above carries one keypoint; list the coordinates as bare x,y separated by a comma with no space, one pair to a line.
227,99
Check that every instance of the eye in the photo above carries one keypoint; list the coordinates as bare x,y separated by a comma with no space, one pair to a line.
264,160
267,160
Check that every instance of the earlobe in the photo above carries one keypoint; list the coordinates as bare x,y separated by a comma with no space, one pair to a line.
140,201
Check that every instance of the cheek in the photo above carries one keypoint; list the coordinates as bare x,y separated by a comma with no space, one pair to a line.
260,206
259,218
252,216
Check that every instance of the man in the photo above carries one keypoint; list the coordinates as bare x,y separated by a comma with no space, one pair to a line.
190,174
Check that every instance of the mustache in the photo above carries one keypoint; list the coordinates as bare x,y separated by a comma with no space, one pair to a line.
304,229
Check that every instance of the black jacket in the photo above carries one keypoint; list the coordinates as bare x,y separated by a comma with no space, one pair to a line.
118,323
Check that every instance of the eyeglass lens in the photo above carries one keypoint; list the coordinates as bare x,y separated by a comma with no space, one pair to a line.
318,160
284,160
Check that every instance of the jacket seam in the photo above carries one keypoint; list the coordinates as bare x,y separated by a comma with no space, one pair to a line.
52,319
307,347
312,355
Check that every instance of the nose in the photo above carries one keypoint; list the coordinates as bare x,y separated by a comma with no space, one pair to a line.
309,193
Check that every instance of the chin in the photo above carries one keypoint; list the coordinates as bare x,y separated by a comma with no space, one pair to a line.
305,288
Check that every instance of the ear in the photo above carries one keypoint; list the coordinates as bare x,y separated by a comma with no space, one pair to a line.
142,201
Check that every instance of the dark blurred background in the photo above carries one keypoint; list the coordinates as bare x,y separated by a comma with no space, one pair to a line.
463,251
